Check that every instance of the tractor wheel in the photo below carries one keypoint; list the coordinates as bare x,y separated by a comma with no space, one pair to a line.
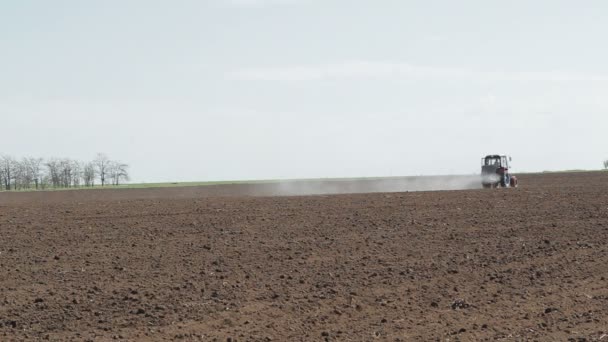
513,182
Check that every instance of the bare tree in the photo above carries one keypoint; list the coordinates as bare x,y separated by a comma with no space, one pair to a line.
68,173
7,164
122,173
102,165
118,172
606,164
88,174
54,172
34,166
22,178
45,181
65,173
77,173
111,174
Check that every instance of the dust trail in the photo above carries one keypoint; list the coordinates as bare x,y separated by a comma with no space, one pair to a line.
403,184
285,188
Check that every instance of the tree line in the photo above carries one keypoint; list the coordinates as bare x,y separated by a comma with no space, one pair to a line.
37,173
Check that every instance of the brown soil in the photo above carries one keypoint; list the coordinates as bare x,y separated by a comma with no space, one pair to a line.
526,263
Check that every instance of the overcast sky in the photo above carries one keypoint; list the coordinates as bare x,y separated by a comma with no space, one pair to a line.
260,89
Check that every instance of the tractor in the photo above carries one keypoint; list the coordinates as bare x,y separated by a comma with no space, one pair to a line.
495,172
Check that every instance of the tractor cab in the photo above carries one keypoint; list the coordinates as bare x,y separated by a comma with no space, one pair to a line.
495,160
495,172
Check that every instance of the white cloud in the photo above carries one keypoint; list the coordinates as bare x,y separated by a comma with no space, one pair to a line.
367,70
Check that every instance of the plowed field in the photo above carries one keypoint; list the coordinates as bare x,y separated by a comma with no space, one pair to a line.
195,264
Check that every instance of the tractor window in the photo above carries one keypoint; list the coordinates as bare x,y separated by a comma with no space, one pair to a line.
491,161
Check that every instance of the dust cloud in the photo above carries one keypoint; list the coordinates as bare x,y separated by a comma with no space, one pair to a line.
401,184
271,188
